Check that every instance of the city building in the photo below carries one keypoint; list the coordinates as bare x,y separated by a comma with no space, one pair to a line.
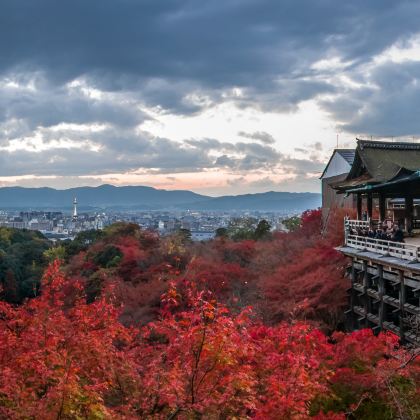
202,235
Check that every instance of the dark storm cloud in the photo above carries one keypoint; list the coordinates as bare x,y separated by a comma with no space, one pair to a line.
46,106
388,106
256,44
183,56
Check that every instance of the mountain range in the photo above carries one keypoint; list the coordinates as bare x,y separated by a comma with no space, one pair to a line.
148,198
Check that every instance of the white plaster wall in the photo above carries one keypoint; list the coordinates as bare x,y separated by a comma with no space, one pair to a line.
337,166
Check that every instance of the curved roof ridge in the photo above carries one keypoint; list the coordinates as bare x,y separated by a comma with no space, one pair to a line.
378,144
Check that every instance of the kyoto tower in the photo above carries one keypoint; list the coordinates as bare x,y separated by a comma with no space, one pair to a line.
75,208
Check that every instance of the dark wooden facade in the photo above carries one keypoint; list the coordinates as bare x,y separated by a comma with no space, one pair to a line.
384,294
331,200
385,275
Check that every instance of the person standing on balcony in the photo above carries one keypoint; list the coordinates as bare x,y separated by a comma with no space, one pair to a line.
381,234
397,234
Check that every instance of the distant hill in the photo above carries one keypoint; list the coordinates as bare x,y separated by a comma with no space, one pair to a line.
104,196
270,201
148,198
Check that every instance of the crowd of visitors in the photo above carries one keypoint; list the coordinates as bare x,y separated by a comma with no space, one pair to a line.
386,231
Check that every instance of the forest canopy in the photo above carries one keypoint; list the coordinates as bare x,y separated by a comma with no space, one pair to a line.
127,324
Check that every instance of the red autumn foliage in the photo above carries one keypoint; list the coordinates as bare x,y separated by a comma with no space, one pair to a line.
311,279
217,330
197,360
57,362
295,274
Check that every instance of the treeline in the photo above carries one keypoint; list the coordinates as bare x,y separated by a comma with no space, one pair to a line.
22,262
128,324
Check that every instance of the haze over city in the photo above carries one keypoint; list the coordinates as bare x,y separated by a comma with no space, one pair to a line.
226,97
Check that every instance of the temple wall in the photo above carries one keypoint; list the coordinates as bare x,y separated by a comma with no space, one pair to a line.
331,200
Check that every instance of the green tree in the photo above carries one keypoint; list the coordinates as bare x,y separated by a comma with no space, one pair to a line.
262,230
55,253
242,228
292,223
184,235
81,242
221,232
22,262
108,257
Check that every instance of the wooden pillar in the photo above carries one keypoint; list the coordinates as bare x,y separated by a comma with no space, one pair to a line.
365,275
369,205
382,207
353,281
359,206
353,273
409,214
402,296
352,294
381,292
366,299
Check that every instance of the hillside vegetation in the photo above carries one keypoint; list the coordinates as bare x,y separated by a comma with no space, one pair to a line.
131,325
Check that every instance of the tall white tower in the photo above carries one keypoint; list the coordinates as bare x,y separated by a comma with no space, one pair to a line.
75,208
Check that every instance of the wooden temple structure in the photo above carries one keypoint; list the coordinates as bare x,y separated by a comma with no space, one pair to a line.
385,274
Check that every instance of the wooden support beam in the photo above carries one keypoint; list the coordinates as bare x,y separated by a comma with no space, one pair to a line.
353,281
353,272
365,275
369,206
359,206
408,214
366,299
402,298
381,292
382,207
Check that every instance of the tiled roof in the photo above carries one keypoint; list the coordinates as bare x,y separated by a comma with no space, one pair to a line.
384,160
382,163
347,154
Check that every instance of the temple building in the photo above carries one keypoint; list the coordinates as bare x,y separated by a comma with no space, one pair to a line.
383,239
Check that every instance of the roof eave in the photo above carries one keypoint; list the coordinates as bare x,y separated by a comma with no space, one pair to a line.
370,187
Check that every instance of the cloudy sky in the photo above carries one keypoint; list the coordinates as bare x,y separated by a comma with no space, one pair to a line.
220,97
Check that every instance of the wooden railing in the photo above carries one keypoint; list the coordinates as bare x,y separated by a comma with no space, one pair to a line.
380,246
383,247
356,224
